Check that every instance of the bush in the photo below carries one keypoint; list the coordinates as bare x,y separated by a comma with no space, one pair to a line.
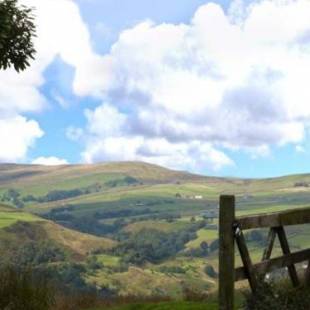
278,296
209,270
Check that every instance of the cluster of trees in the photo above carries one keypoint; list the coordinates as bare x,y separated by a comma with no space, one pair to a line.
150,245
34,253
57,195
122,182
301,184
91,225
14,197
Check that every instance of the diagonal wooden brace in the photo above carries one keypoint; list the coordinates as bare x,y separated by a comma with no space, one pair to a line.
286,250
245,257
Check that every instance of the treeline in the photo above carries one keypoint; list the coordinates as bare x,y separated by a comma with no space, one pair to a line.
56,195
14,197
92,223
108,214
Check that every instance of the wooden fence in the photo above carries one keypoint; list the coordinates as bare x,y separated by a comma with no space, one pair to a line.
231,231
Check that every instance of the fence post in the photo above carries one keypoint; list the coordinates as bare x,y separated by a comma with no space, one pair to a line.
226,252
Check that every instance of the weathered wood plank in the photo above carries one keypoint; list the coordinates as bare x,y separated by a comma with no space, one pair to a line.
286,250
274,263
226,253
270,242
246,259
284,218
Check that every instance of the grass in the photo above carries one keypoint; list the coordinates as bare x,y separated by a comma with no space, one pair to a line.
18,228
9,218
178,305
207,235
108,260
269,209
78,242
156,195
46,185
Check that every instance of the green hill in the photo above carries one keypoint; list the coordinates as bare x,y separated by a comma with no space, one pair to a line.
18,228
135,228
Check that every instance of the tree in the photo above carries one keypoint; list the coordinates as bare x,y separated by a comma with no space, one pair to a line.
16,35
193,219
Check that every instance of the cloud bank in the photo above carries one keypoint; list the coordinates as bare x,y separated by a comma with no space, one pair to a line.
182,95
49,161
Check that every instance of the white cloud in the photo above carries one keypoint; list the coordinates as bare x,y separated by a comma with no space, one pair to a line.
60,32
17,134
69,40
178,94
49,161
105,120
236,80
194,156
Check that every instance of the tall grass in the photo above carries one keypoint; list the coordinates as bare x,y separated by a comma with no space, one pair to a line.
20,289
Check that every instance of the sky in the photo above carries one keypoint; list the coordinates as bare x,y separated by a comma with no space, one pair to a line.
212,87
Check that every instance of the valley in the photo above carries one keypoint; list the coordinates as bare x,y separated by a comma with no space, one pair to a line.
130,228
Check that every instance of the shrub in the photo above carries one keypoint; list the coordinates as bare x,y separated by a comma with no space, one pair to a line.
209,270
278,296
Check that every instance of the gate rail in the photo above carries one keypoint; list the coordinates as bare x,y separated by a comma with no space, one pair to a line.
231,231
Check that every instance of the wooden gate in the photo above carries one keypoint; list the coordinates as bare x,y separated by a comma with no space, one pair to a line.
231,231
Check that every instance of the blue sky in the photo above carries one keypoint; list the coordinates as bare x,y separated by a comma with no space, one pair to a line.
214,87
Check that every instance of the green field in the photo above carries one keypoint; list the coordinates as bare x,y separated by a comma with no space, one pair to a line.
207,235
9,218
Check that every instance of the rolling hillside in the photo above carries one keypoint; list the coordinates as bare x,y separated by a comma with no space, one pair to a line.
18,228
131,220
